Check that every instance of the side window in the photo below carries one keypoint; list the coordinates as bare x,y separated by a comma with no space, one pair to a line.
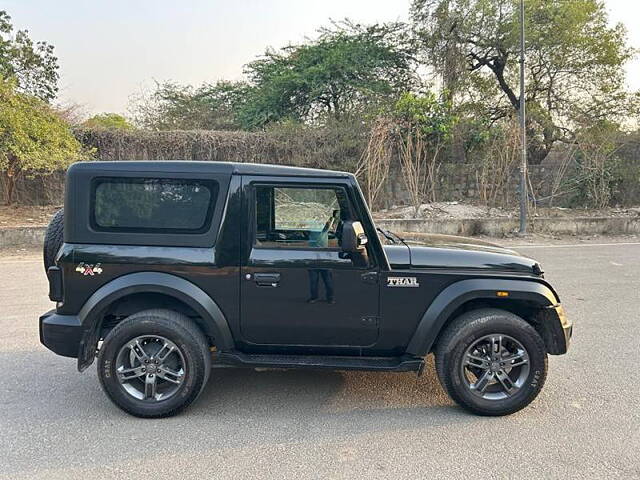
153,205
299,217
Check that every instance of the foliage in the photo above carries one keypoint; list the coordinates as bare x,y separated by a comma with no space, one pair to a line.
347,70
108,121
71,113
597,149
626,171
333,146
375,161
32,137
497,163
425,124
574,61
177,107
415,130
431,117
33,65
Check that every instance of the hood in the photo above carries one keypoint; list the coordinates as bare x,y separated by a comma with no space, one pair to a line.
451,252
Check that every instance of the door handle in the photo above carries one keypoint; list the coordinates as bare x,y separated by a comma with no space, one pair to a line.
267,279
370,277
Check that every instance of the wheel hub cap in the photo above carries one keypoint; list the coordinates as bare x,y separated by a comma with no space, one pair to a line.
150,368
495,366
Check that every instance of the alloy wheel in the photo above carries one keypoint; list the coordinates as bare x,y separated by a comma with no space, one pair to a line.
495,367
150,368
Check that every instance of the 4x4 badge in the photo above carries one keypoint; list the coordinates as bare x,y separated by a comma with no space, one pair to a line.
402,282
87,269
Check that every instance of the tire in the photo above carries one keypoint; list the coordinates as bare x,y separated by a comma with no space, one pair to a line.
53,239
189,354
472,372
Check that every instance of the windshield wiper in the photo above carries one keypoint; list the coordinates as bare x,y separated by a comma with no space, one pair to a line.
386,234
389,235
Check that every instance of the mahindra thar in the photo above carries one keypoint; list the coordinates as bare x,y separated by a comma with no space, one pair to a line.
162,270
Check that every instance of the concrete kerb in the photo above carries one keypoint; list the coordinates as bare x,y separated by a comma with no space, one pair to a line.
492,227
21,236
500,227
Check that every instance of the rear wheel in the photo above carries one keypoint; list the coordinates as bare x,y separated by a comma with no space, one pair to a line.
491,362
154,363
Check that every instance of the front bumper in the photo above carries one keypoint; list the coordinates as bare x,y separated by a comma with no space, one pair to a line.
61,333
556,329
567,324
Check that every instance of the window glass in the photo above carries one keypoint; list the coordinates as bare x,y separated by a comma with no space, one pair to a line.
153,204
299,216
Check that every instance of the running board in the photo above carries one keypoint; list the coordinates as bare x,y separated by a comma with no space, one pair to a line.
385,364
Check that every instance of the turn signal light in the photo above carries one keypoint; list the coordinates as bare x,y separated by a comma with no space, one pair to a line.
502,294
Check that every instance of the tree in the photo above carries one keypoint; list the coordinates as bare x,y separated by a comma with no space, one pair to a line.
597,146
375,161
574,61
425,125
347,69
32,65
32,137
108,121
177,107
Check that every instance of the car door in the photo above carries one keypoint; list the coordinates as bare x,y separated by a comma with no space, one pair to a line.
297,287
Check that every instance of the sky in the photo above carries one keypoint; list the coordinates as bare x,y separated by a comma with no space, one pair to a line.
109,50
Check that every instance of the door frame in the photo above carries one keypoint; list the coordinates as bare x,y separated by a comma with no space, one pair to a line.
248,238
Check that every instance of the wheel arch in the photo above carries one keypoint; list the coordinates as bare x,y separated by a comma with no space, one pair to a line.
145,286
527,299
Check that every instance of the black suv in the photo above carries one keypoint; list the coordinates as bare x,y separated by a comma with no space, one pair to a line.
164,270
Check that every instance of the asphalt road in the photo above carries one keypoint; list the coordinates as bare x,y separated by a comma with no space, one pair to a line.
56,423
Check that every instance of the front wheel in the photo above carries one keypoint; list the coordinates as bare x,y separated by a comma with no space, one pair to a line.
154,363
491,362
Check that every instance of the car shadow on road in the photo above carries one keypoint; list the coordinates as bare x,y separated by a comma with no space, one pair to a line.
329,396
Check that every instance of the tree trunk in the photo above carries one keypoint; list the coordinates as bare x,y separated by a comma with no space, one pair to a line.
11,175
10,185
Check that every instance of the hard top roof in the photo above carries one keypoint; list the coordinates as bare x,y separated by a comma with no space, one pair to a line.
188,166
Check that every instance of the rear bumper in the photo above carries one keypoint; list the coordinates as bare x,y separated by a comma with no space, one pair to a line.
61,333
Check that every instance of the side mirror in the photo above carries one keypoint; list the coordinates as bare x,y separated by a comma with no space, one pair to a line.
353,237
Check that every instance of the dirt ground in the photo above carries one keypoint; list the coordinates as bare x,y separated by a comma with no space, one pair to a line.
26,216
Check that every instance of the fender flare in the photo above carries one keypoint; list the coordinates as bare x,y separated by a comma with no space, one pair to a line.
90,315
463,291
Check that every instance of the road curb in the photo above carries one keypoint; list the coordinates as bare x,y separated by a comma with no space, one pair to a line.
501,227
21,236
492,227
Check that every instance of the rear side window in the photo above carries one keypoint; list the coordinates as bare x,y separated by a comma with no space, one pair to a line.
153,205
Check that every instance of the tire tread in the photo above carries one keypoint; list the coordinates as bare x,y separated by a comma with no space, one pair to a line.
53,239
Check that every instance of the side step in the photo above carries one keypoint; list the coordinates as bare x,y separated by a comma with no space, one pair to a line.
385,364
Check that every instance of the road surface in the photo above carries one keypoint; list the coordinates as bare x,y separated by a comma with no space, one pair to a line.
57,424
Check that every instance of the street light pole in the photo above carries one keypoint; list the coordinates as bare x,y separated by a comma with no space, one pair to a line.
523,132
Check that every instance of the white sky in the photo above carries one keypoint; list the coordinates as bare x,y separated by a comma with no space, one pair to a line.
109,50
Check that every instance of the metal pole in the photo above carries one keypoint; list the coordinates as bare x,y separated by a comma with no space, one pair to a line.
523,132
